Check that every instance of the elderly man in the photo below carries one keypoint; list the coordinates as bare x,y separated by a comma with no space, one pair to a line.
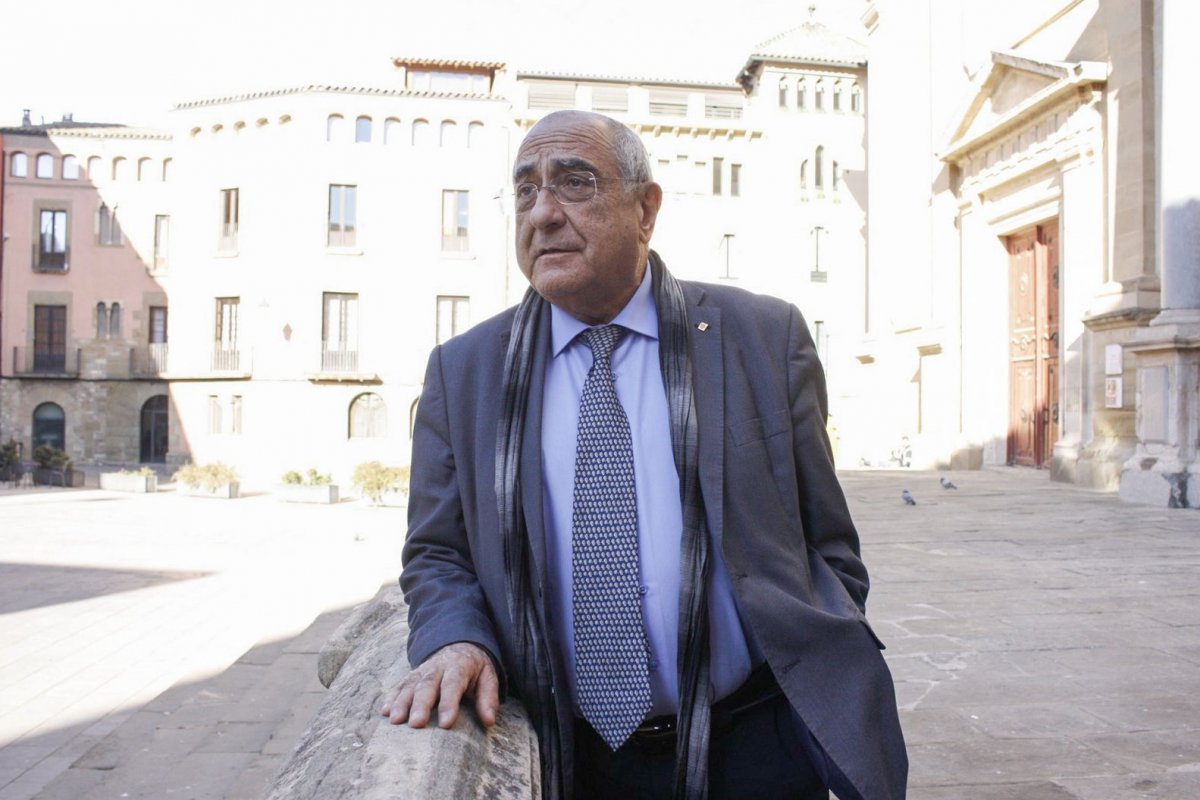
624,511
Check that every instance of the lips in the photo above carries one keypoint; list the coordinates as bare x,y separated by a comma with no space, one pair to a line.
552,251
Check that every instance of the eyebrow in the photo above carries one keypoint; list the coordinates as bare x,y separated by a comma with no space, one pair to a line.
566,164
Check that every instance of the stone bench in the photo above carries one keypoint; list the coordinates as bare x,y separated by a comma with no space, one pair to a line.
350,751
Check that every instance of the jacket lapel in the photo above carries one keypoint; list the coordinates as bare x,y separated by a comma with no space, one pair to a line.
708,381
531,451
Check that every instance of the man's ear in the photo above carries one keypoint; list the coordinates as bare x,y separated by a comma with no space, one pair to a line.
650,201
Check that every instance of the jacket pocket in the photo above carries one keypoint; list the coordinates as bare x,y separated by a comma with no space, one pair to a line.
760,428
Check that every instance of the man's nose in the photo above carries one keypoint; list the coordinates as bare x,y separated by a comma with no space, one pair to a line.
546,211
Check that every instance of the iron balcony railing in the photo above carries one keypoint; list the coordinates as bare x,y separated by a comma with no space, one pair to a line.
49,362
338,359
227,359
148,361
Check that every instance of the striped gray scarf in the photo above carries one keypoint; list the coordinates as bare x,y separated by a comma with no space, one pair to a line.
533,674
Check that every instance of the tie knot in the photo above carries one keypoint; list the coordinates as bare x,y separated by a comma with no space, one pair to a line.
603,340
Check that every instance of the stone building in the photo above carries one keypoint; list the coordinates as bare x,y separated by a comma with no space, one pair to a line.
1034,277
83,311
328,237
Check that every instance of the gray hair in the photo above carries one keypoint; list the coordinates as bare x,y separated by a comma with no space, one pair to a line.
631,154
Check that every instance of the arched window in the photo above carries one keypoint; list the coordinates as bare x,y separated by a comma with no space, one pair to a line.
368,417
70,168
448,136
114,321
19,165
819,96
804,174
420,132
101,320
783,92
333,127
818,178
118,172
49,426
475,134
362,129
45,166
107,228
166,170
93,168
856,99
391,131
835,175
143,169
837,96
801,94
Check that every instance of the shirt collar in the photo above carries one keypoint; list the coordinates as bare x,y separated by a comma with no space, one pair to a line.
638,315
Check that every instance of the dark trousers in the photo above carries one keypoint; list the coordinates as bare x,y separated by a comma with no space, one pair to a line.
761,753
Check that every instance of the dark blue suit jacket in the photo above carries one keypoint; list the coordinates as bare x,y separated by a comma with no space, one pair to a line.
772,499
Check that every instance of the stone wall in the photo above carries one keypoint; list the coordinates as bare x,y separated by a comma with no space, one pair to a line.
350,751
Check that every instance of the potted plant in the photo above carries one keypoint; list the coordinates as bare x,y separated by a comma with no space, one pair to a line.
208,480
139,481
310,488
54,467
10,461
382,485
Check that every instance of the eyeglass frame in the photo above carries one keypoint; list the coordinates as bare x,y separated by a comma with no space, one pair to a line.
555,184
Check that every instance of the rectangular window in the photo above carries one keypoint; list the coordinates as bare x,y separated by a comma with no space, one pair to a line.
667,103
339,332
225,345
158,325
52,240
727,246
722,107
230,209
610,99
718,164
455,218
453,316
235,414
108,229
735,180
552,94
214,414
343,215
49,338
162,241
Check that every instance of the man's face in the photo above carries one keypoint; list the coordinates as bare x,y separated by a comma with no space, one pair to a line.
586,258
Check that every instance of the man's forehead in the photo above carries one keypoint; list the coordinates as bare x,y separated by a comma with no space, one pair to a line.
564,148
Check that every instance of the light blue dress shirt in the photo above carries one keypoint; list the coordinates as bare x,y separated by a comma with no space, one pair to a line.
639,385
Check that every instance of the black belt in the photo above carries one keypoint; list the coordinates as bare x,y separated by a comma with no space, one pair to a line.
758,689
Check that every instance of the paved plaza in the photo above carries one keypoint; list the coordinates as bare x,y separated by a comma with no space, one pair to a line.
1045,640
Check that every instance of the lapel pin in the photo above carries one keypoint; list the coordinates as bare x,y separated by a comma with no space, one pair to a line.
702,327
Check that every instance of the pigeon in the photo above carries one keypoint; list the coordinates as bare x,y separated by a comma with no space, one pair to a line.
908,498
948,484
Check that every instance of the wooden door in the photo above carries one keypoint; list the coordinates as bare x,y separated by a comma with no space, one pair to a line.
1033,345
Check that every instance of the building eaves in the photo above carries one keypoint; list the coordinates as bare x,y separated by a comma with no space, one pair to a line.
810,43
326,89
92,130
445,63
641,80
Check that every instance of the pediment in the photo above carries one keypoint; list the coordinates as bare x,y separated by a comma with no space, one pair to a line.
1011,90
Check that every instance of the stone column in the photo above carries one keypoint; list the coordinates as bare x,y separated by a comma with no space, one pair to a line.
1165,469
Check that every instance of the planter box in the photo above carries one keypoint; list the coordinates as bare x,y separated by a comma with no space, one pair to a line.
324,494
129,482
58,477
226,491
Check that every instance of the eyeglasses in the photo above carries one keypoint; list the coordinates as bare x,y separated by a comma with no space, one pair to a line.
568,189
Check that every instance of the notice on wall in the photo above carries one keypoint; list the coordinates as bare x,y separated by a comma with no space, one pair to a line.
1113,394
1112,359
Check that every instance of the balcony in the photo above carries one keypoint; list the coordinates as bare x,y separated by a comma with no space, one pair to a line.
340,365
36,362
228,359
149,361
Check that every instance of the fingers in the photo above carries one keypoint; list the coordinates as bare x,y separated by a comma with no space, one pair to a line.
487,695
441,682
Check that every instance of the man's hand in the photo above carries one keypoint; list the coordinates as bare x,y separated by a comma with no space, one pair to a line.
443,679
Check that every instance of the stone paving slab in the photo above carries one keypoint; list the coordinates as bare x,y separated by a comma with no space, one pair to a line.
1045,642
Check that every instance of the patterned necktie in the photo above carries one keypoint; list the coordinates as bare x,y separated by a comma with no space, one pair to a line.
611,653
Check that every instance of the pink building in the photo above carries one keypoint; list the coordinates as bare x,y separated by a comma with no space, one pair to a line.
83,307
